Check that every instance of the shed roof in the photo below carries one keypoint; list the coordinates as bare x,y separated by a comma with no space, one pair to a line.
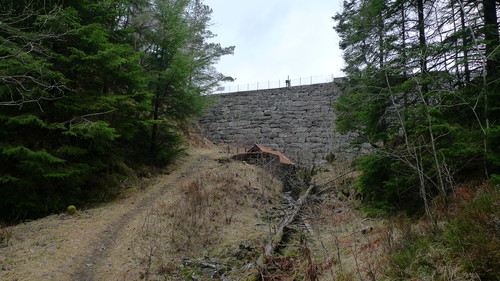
261,148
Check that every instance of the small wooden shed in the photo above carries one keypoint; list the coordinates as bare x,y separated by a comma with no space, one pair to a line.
258,148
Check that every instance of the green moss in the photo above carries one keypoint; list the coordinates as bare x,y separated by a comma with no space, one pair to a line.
71,210
291,253
276,239
188,273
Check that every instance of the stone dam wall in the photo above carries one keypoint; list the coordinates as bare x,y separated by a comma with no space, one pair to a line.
297,121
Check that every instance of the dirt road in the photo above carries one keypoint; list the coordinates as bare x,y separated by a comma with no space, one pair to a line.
93,244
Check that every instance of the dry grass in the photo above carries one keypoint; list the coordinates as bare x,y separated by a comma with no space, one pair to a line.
5,235
58,246
355,244
333,240
211,212
458,244
48,248
339,234
211,209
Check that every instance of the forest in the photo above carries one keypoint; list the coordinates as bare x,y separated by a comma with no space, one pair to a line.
90,89
95,92
423,88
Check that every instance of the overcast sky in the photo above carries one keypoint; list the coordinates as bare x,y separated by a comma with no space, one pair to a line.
277,38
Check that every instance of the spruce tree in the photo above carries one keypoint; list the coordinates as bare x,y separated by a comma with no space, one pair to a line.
87,87
426,105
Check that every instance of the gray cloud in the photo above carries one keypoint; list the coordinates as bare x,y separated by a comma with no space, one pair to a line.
277,38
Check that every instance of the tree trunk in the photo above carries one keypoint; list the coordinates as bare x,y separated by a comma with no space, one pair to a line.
381,40
403,46
154,129
421,37
492,42
465,43
490,35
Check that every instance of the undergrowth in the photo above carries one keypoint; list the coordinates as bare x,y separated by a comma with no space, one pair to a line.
294,266
5,235
202,222
372,242
462,244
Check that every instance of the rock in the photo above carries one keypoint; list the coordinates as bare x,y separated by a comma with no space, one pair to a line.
223,160
203,268
366,229
339,210
246,246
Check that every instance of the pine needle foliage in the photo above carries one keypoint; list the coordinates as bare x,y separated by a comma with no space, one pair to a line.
86,86
422,88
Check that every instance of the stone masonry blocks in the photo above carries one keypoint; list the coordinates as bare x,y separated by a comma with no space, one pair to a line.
297,121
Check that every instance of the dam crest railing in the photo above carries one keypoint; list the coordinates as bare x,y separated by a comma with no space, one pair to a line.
232,87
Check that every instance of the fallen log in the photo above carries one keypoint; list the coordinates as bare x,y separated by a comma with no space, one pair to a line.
275,241
271,246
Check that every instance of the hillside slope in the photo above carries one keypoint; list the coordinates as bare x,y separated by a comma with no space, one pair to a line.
209,216
204,201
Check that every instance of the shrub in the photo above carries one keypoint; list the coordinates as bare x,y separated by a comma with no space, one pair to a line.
472,235
465,246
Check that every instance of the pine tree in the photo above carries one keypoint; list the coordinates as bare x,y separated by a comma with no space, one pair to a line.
425,106
179,61
86,86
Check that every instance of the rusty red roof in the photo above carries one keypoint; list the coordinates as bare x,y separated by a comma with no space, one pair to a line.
261,148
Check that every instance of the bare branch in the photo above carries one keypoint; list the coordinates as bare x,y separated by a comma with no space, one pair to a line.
87,115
